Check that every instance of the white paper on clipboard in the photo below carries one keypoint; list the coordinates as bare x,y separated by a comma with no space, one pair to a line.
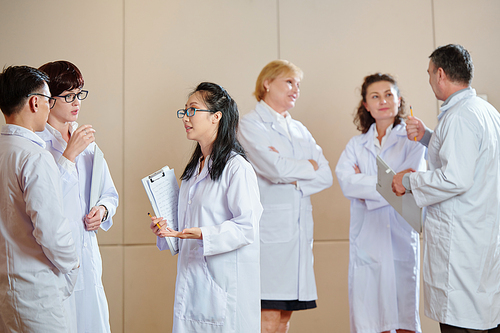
163,193
404,205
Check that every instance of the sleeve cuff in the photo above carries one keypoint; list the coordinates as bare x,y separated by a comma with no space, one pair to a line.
427,137
67,164
406,182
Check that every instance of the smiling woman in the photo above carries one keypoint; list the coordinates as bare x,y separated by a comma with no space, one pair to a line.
290,167
384,249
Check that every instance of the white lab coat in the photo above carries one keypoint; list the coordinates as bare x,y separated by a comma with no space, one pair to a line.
383,248
37,251
461,269
88,301
218,278
286,226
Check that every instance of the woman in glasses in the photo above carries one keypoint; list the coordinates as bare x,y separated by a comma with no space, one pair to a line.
290,167
218,279
73,149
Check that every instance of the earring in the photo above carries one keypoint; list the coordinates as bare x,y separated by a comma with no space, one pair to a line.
267,89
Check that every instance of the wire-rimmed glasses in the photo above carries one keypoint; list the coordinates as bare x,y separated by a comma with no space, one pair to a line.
69,98
52,100
190,112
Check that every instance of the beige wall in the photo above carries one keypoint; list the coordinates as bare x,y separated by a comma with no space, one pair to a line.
141,58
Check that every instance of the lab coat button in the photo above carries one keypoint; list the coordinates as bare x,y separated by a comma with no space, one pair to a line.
189,202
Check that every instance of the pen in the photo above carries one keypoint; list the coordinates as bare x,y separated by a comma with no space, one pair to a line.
411,112
157,224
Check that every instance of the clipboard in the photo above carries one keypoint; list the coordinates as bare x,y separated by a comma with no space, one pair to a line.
96,180
163,194
96,183
405,205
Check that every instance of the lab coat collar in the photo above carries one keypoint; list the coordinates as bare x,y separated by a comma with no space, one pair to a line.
204,172
267,117
455,98
394,136
396,133
56,139
16,130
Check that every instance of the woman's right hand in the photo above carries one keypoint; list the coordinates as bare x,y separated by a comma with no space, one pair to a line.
79,140
314,164
157,224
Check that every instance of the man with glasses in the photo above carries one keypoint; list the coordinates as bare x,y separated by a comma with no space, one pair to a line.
38,261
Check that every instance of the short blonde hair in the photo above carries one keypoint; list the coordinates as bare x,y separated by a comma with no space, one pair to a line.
273,70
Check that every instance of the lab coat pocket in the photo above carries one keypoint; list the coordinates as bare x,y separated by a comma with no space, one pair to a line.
70,282
276,223
204,300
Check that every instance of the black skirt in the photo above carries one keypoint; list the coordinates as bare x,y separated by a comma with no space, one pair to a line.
293,305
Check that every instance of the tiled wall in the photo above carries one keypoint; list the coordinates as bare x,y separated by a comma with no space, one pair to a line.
140,59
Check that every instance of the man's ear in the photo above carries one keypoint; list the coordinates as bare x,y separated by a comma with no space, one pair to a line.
441,74
33,103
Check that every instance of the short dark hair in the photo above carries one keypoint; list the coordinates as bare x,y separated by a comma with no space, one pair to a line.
63,76
16,83
362,118
455,61
226,143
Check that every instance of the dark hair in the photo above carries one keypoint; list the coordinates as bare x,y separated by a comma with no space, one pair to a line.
216,98
63,76
16,83
362,118
455,61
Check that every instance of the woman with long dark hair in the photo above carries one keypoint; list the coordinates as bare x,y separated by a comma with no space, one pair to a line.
218,273
384,253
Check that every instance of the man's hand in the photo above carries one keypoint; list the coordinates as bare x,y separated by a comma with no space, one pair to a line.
415,128
397,182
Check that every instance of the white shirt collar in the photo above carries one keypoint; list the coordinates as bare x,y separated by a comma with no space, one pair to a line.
72,127
379,145
10,129
282,120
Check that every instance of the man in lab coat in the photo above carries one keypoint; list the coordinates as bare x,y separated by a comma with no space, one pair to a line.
38,260
461,266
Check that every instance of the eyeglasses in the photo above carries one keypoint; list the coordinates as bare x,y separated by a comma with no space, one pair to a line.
190,112
52,100
69,98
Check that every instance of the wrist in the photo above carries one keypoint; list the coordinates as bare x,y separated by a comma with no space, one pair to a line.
105,216
69,157
406,182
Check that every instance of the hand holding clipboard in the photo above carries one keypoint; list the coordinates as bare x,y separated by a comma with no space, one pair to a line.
163,193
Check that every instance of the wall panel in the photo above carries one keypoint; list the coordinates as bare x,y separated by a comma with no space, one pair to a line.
338,43
90,35
474,25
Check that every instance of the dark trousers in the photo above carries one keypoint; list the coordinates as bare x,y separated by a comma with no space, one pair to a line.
452,329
